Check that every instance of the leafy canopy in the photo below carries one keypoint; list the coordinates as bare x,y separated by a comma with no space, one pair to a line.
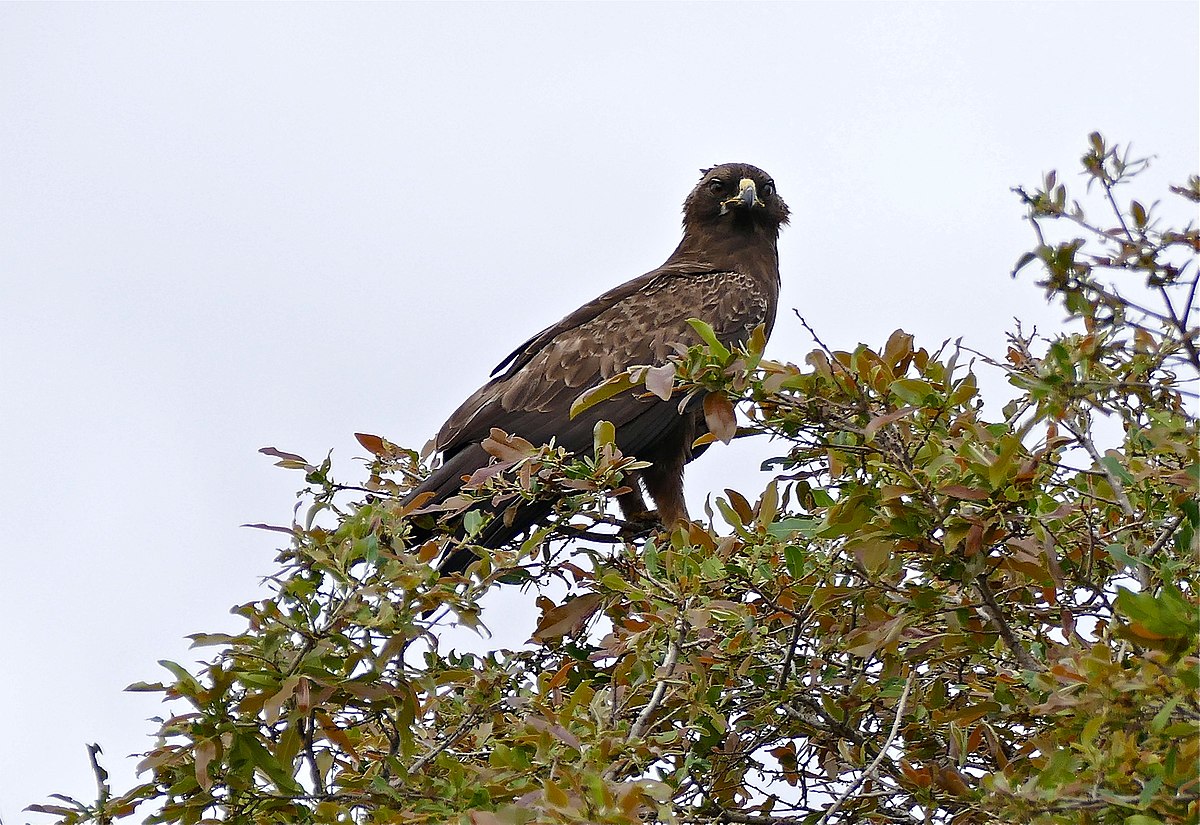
934,613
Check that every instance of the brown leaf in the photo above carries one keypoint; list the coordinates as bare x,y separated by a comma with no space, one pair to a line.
968,493
511,448
429,550
898,347
974,541
484,473
274,705
205,752
290,461
560,676
557,731
720,417
567,618
416,503
485,818
740,505
336,735
372,443
883,420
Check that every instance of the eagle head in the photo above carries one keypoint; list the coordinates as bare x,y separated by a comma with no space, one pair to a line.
738,195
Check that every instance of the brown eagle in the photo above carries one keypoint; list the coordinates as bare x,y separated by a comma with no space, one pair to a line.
725,272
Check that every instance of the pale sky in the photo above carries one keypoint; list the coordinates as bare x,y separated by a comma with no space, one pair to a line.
230,226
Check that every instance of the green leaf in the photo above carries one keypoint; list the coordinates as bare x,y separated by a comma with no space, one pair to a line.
265,761
650,556
472,522
712,569
709,336
603,435
1168,615
1114,466
1121,556
1139,214
788,527
1142,819
1191,509
912,390
1148,792
793,558
1163,716
729,514
602,392
186,684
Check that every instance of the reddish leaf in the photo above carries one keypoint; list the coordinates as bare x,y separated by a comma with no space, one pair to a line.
372,443
740,505
968,493
273,528
720,417
883,420
288,460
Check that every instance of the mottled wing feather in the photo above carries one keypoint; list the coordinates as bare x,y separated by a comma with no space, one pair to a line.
637,323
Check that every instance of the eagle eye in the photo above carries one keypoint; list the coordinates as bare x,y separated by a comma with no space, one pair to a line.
716,185
768,189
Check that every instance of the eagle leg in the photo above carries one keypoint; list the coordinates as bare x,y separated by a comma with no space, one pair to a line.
638,519
663,479
664,483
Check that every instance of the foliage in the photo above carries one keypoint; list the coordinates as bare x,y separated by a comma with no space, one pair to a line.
929,615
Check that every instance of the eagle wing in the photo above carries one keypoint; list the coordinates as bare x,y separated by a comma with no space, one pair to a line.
639,322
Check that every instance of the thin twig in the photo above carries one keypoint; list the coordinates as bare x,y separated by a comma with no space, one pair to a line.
873,768
785,671
996,616
445,743
306,734
667,669
1118,488
1143,572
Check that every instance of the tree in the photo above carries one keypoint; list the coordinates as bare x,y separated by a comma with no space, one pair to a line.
932,614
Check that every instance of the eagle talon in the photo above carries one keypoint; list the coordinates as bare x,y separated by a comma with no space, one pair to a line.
639,524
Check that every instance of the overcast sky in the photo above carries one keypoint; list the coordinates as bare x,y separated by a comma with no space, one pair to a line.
228,226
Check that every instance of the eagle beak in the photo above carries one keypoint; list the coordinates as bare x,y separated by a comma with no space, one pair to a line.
746,198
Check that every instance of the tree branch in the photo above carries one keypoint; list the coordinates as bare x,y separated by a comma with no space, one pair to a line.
445,743
660,690
996,616
873,768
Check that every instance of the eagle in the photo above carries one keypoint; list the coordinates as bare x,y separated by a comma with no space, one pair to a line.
725,272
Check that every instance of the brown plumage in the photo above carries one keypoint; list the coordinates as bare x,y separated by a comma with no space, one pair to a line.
725,271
